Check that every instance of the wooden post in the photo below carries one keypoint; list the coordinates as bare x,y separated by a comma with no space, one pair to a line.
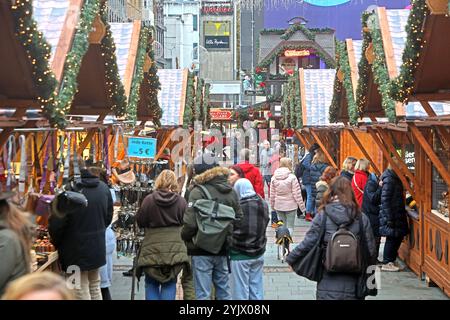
324,149
430,153
302,139
164,145
388,141
364,151
444,134
89,136
391,162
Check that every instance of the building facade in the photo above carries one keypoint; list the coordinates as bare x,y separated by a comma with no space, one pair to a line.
182,36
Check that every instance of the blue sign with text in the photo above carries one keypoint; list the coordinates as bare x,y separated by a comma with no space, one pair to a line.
142,147
326,3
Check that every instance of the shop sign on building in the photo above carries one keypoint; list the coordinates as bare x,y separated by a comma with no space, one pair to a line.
217,34
297,53
217,8
221,114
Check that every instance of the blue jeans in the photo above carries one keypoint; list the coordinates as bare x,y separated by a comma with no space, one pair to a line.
160,291
209,270
247,279
310,202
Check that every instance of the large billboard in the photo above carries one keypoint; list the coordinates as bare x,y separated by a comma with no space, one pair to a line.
217,34
342,15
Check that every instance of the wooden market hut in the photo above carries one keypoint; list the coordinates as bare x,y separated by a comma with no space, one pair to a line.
27,82
424,76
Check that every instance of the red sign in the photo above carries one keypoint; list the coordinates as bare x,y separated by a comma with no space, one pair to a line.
220,114
217,8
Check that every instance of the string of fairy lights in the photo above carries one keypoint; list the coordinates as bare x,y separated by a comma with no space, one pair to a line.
37,49
152,80
402,85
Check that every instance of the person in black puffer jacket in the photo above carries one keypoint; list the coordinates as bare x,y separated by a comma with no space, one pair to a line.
393,219
79,236
371,206
340,208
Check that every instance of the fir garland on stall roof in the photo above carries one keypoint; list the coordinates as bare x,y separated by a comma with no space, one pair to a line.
135,92
114,85
381,75
364,68
402,85
335,102
207,106
198,100
188,116
69,84
153,82
347,82
298,27
38,53
298,102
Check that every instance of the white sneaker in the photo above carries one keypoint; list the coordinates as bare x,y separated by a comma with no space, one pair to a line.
390,267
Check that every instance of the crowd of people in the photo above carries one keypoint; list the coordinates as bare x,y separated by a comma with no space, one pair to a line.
219,258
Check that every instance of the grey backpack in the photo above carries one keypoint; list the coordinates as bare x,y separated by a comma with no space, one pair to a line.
343,254
213,221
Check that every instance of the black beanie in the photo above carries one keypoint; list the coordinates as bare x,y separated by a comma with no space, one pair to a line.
203,163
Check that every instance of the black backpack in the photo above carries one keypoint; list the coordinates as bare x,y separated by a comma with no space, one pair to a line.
343,254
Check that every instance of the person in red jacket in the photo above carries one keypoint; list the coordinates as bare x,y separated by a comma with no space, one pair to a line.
251,172
359,179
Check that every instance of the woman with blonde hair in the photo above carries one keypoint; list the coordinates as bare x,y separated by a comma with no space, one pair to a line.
359,179
15,241
348,168
38,286
286,194
318,166
163,253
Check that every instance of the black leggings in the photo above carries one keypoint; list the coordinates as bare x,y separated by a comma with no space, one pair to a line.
391,249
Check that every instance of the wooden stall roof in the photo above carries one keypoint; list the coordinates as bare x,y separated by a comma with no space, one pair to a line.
316,92
126,38
18,88
172,96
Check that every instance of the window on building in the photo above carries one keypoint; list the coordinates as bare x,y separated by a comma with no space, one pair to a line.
195,51
195,22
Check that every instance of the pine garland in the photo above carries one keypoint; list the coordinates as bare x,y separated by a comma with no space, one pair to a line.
347,83
38,52
138,78
207,106
298,27
403,84
114,85
72,65
198,100
364,68
335,102
188,117
153,82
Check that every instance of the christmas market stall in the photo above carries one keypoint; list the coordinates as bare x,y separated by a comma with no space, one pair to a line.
423,83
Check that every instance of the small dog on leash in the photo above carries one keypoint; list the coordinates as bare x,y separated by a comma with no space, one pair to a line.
283,240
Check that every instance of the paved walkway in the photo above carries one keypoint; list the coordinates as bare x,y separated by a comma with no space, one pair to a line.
280,284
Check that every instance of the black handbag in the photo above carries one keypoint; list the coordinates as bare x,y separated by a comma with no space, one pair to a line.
310,265
362,288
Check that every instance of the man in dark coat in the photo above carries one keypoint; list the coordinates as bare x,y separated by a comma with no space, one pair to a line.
209,268
393,219
371,206
79,236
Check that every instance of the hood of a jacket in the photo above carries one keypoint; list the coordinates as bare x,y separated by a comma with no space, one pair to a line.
338,213
88,180
246,167
164,198
217,176
282,173
244,188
